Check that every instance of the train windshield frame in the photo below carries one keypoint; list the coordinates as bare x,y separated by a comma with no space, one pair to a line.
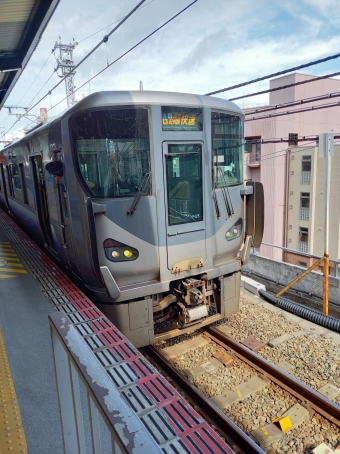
112,149
227,138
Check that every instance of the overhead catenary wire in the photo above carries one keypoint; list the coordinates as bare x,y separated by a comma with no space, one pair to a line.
104,40
283,87
119,58
36,77
269,76
109,25
128,51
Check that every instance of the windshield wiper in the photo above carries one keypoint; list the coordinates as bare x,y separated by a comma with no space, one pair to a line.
143,182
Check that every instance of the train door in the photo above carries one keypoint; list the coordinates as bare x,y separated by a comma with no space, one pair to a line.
37,172
3,186
185,217
58,212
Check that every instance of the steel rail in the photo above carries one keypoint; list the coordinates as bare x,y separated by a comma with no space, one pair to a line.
313,399
219,421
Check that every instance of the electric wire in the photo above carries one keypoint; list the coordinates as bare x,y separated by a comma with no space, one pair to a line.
282,87
104,40
291,112
54,71
269,108
36,77
295,68
111,24
128,51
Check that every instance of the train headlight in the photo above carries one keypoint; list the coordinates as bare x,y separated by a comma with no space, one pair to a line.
119,252
235,231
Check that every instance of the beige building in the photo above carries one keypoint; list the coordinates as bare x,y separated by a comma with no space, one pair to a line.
267,163
306,205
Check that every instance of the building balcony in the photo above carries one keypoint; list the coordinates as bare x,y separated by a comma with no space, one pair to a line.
254,159
304,214
305,177
303,246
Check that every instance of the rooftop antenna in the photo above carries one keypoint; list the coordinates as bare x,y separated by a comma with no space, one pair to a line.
141,85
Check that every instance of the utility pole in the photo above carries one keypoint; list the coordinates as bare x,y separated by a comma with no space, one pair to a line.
66,63
326,150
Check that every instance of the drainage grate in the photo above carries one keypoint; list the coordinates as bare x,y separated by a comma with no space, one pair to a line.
175,447
158,389
156,423
107,358
138,400
123,375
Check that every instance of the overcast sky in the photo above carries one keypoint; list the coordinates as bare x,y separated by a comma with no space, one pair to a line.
212,45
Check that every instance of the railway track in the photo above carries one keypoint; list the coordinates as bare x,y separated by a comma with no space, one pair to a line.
312,399
239,441
309,398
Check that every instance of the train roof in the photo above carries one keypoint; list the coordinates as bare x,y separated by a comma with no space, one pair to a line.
144,97
138,97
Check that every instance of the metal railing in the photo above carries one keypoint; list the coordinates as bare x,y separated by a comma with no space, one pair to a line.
254,157
76,364
306,254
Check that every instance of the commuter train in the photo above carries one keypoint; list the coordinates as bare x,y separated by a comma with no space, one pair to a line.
140,195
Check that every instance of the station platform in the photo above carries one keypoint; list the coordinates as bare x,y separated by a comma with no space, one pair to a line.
31,419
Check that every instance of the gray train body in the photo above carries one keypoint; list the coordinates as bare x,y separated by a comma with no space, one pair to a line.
140,195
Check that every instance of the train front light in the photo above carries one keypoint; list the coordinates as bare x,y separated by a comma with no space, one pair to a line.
115,251
235,231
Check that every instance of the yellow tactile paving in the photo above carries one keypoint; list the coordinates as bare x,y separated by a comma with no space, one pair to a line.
13,442
12,434
12,259
3,268
9,262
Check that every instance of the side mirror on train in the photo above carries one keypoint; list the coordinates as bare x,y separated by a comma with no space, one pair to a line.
55,168
255,213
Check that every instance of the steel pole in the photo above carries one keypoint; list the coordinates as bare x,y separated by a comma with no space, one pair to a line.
326,224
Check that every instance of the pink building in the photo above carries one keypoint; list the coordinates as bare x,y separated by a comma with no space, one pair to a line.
267,163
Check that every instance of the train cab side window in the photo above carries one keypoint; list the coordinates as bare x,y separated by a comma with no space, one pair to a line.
227,149
112,148
8,181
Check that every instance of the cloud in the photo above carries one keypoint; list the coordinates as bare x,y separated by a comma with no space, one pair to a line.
212,45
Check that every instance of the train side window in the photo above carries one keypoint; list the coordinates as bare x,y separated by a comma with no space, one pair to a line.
8,181
23,185
1,182
17,191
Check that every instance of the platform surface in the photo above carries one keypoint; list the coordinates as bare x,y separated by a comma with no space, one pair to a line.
26,300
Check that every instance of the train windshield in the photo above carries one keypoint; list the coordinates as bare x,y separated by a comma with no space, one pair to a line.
112,148
227,149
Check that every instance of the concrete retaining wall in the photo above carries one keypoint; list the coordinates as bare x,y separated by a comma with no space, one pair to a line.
284,273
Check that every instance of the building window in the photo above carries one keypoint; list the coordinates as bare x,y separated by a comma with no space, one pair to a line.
302,264
306,169
303,239
292,139
253,147
304,205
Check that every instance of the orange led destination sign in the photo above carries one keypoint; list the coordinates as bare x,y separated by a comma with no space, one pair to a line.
180,119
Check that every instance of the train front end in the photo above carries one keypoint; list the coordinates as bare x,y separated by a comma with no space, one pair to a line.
163,175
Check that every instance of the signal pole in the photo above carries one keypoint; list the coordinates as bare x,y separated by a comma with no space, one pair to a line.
326,150
66,63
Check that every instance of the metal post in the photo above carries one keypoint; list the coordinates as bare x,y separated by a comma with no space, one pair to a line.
297,279
326,150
